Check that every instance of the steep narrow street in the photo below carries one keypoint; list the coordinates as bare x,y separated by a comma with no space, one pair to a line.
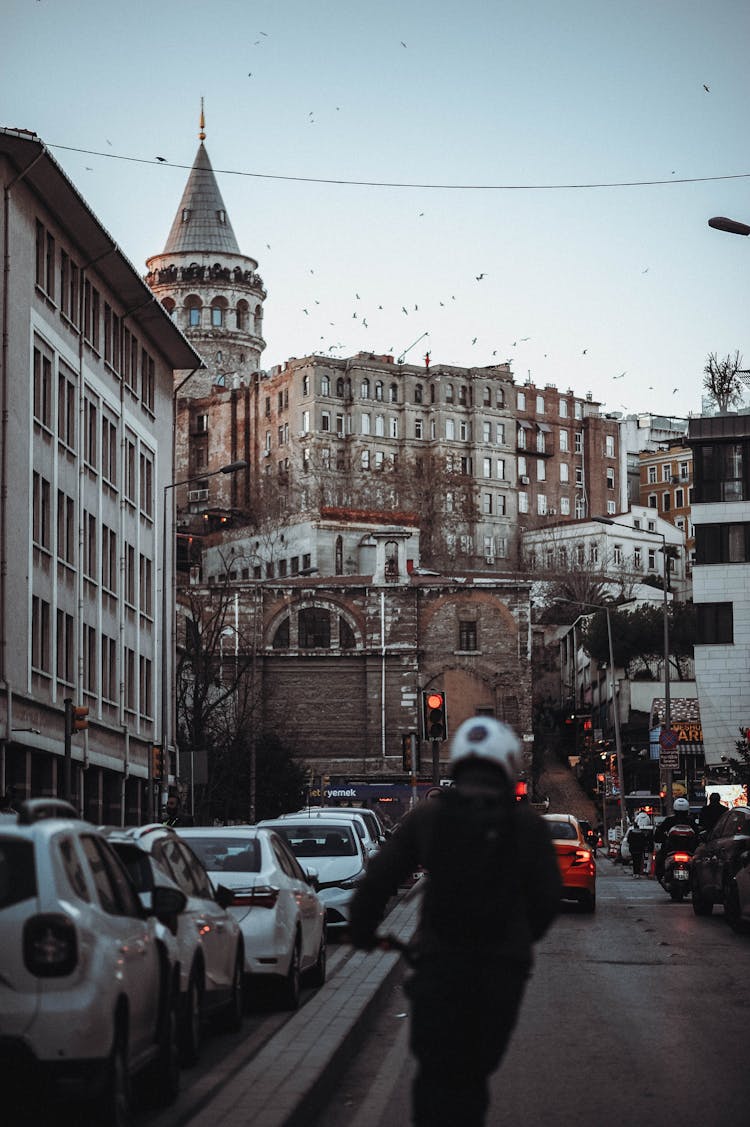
566,796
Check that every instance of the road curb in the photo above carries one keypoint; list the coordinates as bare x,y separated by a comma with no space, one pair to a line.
289,1080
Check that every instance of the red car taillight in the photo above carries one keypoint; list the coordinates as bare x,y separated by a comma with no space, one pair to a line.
582,857
261,896
50,946
683,858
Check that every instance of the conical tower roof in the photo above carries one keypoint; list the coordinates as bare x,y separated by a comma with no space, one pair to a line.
201,225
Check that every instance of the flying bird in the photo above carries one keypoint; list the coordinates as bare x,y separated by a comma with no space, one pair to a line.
620,376
474,341
646,270
404,310
305,311
706,88
162,159
479,276
402,43
108,142
585,350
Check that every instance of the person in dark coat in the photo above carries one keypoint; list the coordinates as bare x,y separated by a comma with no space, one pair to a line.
711,812
492,890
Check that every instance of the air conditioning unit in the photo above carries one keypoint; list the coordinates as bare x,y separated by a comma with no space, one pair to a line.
489,559
197,495
524,479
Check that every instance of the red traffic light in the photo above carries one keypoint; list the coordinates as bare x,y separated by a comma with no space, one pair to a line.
435,715
522,790
80,718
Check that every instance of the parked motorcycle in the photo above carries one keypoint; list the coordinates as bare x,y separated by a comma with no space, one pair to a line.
677,878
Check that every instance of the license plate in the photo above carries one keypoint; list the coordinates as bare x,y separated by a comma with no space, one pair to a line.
681,874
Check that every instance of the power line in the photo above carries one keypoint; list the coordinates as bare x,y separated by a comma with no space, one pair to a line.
408,184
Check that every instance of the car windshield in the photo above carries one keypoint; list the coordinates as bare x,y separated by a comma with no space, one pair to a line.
318,839
563,831
226,853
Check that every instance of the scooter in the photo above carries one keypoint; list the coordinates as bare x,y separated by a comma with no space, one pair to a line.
677,878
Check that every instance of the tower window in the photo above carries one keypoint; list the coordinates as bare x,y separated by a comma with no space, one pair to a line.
186,215
221,215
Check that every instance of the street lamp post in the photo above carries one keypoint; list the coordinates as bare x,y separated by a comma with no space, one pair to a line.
667,696
258,634
167,635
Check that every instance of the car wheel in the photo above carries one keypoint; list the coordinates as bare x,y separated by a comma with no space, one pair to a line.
231,1017
291,984
732,909
113,1104
191,1033
701,906
162,1080
317,974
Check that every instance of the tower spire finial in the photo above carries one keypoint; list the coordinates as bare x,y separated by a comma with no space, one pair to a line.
202,134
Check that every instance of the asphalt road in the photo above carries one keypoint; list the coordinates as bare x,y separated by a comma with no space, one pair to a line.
638,1014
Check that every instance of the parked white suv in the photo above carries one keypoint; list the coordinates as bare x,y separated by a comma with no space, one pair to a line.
208,936
89,979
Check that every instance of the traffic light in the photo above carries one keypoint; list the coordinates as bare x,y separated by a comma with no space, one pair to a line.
80,718
435,715
157,762
522,790
406,744
76,718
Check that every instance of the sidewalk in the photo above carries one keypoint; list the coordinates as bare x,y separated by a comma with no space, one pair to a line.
283,1084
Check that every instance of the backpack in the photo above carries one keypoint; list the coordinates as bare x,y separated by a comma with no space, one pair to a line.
473,871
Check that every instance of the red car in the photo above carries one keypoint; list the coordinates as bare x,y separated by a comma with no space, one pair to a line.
575,858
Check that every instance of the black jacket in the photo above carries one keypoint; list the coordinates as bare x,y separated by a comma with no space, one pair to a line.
493,883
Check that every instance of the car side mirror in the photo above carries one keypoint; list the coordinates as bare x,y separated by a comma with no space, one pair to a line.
224,896
166,905
311,876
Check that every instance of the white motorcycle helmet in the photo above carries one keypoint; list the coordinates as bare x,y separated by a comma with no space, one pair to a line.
484,738
643,822
681,806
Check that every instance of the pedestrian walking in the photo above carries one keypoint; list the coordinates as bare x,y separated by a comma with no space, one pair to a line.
638,842
492,890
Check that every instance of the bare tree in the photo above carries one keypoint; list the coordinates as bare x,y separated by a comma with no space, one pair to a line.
722,380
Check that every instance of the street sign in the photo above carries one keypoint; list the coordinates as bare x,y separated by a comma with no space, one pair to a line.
669,738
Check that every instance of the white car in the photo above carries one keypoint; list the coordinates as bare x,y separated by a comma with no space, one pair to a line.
210,942
280,915
89,982
334,850
365,822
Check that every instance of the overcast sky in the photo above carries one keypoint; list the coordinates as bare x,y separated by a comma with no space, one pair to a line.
500,113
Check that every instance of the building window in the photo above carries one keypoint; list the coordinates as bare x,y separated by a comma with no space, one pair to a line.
679,498
722,543
714,624
637,559
325,385
467,636
217,316
109,451
66,529
579,442
579,475
611,508
40,634
521,438
541,504
146,586
500,434
565,506
364,390
666,472
540,404
449,393
146,485
365,459
450,429
365,423
610,478
486,432
564,442
463,430
521,401
487,504
563,408
486,467
379,426
564,472
42,387
314,627
617,555
419,428
65,637
347,640
305,422
393,393
340,426
325,421
379,391
666,502
609,445
500,469
109,559
720,472
41,511
523,502
541,470
487,397
594,553
652,501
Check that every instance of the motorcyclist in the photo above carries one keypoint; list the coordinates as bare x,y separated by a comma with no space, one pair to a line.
492,890
680,817
711,812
